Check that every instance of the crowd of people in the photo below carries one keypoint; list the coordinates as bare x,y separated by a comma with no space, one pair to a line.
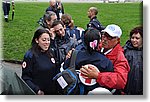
115,68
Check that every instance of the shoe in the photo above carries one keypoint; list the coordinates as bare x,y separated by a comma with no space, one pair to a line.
6,19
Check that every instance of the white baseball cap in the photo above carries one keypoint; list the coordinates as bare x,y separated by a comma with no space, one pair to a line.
113,30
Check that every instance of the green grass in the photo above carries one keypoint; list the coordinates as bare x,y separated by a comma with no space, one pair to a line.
17,34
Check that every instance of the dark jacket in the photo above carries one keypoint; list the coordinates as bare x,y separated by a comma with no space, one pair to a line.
95,58
79,33
134,56
62,45
94,23
38,72
59,10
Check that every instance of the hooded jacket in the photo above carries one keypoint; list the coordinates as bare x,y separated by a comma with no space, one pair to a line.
135,77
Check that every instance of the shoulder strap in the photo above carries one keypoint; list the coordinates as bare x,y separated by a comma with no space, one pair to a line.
73,58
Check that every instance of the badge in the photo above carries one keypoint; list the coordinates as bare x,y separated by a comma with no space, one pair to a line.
24,64
53,60
88,81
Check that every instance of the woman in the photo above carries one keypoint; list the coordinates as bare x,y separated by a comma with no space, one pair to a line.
39,65
88,55
134,54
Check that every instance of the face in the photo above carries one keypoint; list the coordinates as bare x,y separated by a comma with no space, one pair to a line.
53,18
43,41
53,3
59,30
109,42
89,13
136,40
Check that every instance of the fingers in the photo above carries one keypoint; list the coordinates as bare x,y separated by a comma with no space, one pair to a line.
69,54
84,71
52,33
40,92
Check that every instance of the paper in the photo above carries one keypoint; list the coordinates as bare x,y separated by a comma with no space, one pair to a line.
62,82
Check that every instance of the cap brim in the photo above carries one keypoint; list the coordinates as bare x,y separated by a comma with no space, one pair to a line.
109,32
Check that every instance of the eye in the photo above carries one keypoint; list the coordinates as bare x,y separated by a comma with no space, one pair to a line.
44,39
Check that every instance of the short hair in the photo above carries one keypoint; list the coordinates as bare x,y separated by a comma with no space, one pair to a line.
94,9
138,29
48,15
56,22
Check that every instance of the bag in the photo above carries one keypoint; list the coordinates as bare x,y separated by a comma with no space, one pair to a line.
67,81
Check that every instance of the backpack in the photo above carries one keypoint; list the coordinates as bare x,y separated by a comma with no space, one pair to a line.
67,81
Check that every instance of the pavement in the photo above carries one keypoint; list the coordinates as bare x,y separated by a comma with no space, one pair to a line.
12,66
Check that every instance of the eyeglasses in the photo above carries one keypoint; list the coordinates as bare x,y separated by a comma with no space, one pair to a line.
105,35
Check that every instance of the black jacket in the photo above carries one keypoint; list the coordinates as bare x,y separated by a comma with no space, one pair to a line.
38,72
134,56
94,23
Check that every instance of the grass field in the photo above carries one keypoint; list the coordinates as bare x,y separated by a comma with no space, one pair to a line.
17,34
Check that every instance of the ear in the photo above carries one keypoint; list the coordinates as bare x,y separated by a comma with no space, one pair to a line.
47,22
118,39
36,41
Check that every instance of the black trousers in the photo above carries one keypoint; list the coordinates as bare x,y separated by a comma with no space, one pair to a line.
6,8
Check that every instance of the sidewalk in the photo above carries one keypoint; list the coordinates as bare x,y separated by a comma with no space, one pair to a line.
12,66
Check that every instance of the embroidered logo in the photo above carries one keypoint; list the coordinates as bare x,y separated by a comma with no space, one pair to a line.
53,60
24,64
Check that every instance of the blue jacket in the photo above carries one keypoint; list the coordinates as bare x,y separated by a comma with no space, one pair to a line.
79,33
97,59
94,23
38,72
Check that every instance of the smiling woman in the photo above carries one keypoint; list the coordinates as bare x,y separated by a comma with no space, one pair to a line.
39,67
134,54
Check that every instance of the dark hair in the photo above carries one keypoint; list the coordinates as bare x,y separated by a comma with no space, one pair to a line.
90,36
35,47
138,29
47,16
66,19
56,22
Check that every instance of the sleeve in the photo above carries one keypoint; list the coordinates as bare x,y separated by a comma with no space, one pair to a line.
66,63
27,72
118,78
110,67
62,8
97,25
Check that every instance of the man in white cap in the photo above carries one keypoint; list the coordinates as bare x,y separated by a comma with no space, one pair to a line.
112,49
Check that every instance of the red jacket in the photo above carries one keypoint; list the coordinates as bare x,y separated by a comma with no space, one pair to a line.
118,78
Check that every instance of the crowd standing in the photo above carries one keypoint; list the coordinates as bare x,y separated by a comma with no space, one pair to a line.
100,55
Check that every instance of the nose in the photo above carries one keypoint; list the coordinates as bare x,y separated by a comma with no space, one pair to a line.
60,31
47,41
103,37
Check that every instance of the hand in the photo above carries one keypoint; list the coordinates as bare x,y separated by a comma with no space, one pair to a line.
69,53
40,92
52,33
89,72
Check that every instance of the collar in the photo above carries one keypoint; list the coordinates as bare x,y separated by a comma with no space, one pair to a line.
105,53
